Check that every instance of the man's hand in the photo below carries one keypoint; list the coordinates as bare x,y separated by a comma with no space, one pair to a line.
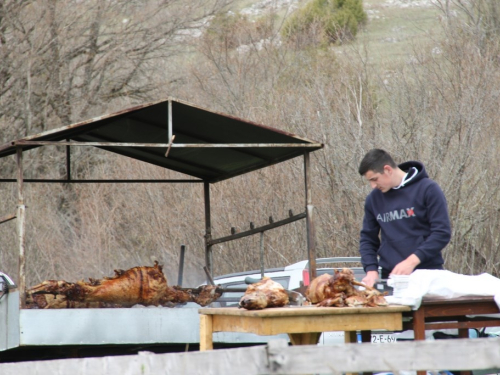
370,279
407,266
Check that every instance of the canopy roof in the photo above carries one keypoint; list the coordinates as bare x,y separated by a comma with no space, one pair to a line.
176,135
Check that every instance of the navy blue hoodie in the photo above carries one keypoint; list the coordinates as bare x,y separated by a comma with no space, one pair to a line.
410,220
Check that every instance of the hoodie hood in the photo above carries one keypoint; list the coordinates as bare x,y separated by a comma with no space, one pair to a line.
415,172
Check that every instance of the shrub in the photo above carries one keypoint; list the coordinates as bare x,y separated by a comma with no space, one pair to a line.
325,22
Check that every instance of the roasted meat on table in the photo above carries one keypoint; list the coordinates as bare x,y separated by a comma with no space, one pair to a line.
339,290
139,285
264,293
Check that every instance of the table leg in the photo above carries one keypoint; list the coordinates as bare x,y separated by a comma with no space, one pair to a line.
350,337
206,332
463,333
307,338
418,323
366,336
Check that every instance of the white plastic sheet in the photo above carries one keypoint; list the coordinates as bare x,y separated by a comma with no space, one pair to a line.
445,284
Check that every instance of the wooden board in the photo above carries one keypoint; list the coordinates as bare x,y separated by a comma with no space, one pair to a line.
303,324
279,358
273,325
305,310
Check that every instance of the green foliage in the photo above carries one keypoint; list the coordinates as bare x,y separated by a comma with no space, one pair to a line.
325,22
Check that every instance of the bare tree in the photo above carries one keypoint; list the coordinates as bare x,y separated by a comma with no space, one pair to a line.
66,61
438,105
480,19
63,62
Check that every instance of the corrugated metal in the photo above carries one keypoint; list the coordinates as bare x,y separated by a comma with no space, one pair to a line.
149,124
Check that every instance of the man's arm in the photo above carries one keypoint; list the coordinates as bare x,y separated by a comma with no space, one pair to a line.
369,241
439,224
370,279
407,266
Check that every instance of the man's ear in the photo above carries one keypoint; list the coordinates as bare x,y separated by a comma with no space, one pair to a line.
388,169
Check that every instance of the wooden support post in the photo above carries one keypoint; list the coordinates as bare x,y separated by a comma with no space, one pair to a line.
206,332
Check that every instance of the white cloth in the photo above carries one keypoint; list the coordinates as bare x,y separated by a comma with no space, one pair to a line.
441,283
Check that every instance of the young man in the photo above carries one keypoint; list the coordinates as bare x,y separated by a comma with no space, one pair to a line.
406,223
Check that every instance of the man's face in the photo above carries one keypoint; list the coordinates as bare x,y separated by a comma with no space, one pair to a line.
381,181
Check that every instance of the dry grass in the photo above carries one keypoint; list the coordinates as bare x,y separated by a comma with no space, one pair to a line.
393,29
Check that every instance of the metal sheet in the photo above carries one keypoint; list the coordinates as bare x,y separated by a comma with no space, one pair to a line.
9,320
109,326
208,145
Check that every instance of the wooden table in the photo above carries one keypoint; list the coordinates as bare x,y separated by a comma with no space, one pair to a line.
303,325
457,313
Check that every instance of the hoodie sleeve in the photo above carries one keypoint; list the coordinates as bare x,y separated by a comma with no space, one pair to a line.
369,239
440,228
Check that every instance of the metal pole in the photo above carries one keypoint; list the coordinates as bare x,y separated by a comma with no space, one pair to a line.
208,228
311,241
68,162
261,255
170,121
21,208
181,265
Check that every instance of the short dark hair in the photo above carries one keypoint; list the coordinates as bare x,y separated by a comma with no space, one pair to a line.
375,160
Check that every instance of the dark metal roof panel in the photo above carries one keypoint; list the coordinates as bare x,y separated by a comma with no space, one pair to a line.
191,125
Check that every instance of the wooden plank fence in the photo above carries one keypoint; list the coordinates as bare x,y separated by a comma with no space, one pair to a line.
278,358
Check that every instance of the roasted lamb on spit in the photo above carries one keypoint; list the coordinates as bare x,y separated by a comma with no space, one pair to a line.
264,293
139,285
340,290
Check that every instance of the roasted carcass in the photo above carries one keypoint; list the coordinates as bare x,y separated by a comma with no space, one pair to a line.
264,293
59,301
340,290
139,285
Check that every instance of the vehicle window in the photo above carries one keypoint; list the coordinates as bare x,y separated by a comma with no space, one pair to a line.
232,296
